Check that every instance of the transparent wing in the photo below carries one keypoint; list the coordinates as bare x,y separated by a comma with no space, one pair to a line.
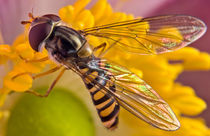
135,95
153,35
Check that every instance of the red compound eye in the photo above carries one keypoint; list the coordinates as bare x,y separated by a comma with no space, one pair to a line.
38,33
52,17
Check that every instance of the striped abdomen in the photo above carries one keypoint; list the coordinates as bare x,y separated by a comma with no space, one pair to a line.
106,105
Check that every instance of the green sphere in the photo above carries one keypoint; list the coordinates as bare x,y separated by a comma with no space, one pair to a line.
60,114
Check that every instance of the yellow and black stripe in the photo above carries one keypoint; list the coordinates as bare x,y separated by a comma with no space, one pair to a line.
106,105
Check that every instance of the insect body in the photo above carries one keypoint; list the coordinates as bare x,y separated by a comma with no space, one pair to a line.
109,84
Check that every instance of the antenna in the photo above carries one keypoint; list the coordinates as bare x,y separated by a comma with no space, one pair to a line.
30,15
25,22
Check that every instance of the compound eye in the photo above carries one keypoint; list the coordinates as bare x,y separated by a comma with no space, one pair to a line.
52,17
38,33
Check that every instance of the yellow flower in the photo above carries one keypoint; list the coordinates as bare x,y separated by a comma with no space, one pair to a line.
19,76
156,70
190,127
5,53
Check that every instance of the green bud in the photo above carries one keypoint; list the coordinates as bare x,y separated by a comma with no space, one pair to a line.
60,114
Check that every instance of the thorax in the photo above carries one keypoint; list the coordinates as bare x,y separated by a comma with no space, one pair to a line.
67,46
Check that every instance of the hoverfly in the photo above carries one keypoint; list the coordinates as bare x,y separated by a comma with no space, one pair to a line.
109,84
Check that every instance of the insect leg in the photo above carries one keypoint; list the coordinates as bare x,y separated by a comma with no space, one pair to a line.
20,74
51,86
38,60
38,75
103,46
104,51
35,60
46,72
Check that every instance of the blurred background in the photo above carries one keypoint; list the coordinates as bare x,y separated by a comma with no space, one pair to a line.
14,11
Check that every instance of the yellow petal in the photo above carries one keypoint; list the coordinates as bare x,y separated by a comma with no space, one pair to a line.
199,62
98,9
181,54
25,51
94,41
117,17
161,85
184,99
19,40
5,53
5,49
107,16
189,127
191,58
190,105
84,20
80,5
20,84
138,72
130,17
193,127
31,67
67,14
